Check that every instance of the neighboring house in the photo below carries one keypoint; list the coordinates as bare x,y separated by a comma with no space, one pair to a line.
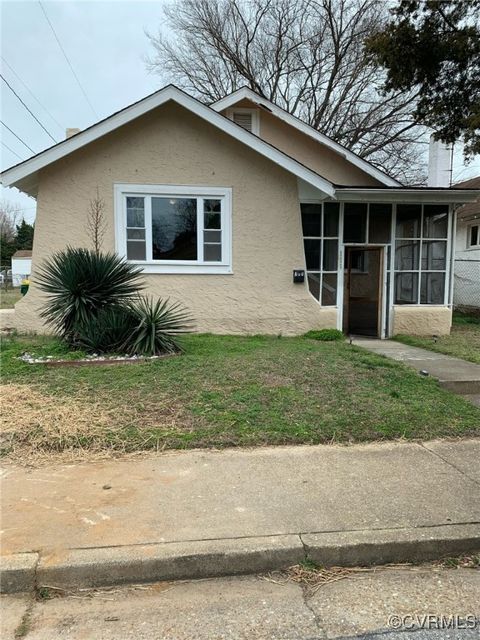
466,290
21,266
226,206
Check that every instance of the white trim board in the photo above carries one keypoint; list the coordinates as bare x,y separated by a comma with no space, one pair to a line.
23,173
248,94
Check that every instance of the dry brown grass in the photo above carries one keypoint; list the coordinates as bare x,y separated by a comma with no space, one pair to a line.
34,425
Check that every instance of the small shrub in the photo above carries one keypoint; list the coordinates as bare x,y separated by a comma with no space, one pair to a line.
326,335
141,327
157,326
106,332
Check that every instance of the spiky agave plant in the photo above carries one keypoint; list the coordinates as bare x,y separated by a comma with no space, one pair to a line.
79,283
158,324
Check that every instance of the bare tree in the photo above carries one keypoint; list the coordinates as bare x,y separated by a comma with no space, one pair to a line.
306,56
9,216
96,222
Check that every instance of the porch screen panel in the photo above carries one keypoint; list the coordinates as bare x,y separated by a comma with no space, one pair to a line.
421,254
320,223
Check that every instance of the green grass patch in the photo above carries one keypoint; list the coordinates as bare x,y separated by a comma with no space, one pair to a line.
325,335
224,391
463,341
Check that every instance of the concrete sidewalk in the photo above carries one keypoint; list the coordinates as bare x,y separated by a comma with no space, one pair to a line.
198,513
454,374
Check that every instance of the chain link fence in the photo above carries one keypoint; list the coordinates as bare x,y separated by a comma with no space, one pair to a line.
466,283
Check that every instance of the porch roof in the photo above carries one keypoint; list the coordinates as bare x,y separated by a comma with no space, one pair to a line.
450,195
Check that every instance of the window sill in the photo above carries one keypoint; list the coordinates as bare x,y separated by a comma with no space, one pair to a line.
178,269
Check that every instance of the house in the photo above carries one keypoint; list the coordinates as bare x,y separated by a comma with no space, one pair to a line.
21,266
255,221
466,288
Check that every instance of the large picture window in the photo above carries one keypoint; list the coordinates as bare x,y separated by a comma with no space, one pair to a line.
174,229
320,223
421,254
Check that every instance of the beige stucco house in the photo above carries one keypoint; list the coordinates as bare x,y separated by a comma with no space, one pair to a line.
255,221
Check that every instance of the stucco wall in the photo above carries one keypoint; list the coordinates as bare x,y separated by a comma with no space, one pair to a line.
172,146
308,151
426,320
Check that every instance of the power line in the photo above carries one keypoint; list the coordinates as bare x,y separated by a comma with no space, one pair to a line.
32,94
29,111
17,137
68,61
11,150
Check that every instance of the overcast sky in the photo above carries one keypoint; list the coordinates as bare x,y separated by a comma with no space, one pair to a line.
106,44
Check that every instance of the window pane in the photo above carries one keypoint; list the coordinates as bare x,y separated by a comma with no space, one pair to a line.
355,222
135,212
136,250
212,220
435,221
406,288
329,289
213,206
330,219
174,228
314,284
212,252
330,254
408,220
380,223
474,236
135,234
406,255
312,224
212,236
434,255
432,288
312,254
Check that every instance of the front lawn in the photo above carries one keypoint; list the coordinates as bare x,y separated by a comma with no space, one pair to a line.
463,341
225,391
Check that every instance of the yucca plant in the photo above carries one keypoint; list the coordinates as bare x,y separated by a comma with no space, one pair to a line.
157,326
106,332
80,283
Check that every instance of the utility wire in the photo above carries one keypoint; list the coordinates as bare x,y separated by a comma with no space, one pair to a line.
17,137
11,150
27,108
32,94
68,61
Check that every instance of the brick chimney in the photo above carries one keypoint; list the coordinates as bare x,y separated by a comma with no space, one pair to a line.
71,132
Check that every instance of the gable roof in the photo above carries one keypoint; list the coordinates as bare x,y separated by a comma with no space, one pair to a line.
245,93
22,253
24,175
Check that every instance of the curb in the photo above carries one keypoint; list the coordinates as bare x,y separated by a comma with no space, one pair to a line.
107,566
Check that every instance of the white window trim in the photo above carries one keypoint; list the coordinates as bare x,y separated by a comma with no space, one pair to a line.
469,235
178,191
255,117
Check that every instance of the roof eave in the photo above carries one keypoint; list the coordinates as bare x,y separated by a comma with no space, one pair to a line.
22,174
245,93
406,195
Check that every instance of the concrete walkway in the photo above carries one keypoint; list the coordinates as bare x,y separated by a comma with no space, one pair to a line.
243,510
457,375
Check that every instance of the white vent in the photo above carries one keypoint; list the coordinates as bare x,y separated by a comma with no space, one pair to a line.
248,119
244,119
